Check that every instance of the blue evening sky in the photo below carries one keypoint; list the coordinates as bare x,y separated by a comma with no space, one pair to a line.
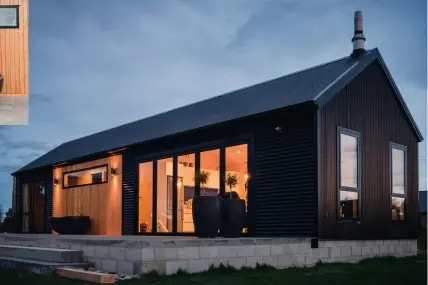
96,64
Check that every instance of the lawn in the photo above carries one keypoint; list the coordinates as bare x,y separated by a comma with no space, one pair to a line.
387,270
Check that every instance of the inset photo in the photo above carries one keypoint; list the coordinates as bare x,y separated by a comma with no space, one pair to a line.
14,62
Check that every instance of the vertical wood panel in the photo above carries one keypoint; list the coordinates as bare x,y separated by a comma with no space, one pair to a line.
14,52
368,105
102,202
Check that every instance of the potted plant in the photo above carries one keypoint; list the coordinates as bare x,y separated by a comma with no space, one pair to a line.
206,210
233,209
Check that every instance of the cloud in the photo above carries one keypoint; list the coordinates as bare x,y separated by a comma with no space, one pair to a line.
96,65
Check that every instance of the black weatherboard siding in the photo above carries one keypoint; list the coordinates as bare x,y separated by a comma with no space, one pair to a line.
368,105
279,205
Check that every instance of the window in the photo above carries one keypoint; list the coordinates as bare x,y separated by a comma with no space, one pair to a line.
210,170
145,197
185,192
237,170
398,168
9,16
164,195
87,176
349,174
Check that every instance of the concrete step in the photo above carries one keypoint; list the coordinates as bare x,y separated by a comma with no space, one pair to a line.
56,255
37,266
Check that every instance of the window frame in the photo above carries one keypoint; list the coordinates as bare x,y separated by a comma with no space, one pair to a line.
357,135
403,148
84,169
16,7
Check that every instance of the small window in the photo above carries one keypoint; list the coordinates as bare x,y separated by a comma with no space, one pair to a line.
349,174
398,170
87,176
9,16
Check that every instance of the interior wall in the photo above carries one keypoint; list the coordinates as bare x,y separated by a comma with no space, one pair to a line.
102,202
14,52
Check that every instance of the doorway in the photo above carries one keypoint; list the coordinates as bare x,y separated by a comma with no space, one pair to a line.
33,207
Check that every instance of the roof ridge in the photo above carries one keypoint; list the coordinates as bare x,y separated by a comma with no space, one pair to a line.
220,95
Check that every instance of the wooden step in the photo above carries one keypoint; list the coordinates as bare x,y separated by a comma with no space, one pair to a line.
79,274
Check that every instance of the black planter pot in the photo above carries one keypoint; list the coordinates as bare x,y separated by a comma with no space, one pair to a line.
233,217
206,211
71,225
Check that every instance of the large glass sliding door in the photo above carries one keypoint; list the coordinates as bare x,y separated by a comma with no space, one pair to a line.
168,185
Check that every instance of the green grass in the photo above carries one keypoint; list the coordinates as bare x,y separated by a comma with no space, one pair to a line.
387,270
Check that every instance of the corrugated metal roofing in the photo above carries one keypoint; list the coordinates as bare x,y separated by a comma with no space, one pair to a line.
303,86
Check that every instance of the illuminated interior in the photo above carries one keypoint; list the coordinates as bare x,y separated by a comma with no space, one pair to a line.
86,177
236,158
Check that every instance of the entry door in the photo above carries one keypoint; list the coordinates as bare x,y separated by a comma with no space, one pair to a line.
33,207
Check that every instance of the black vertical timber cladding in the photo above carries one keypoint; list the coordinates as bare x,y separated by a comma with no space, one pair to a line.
368,105
129,194
48,201
18,192
285,178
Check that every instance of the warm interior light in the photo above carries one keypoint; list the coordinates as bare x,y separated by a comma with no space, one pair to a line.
246,176
238,151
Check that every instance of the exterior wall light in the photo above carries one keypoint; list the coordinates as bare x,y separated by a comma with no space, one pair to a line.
56,181
113,171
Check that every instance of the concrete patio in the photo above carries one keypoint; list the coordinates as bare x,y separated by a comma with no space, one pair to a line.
13,110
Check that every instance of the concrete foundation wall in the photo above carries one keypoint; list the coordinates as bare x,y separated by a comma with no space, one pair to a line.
135,254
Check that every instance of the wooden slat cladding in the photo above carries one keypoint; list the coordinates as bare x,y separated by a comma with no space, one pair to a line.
368,105
14,52
102,202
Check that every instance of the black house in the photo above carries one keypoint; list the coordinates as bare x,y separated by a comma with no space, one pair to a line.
328,152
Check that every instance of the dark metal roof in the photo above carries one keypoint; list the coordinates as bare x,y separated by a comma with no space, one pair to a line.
423,201
311,84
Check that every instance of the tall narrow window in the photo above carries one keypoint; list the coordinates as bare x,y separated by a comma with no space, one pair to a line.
164,195
349,176
145,197
185,192
398,180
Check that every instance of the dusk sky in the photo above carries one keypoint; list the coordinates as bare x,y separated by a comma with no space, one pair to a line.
101,63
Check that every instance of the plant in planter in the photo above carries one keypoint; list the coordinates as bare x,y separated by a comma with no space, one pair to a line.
233,210
143,227
206,210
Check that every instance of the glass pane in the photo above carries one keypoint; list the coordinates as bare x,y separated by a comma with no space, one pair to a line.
397,208
348,161
210,172
145,197
398,168
8,17
185,192
86,177
237,170
348,205
164,196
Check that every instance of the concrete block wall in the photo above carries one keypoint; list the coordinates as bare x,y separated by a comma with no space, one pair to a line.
132,255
